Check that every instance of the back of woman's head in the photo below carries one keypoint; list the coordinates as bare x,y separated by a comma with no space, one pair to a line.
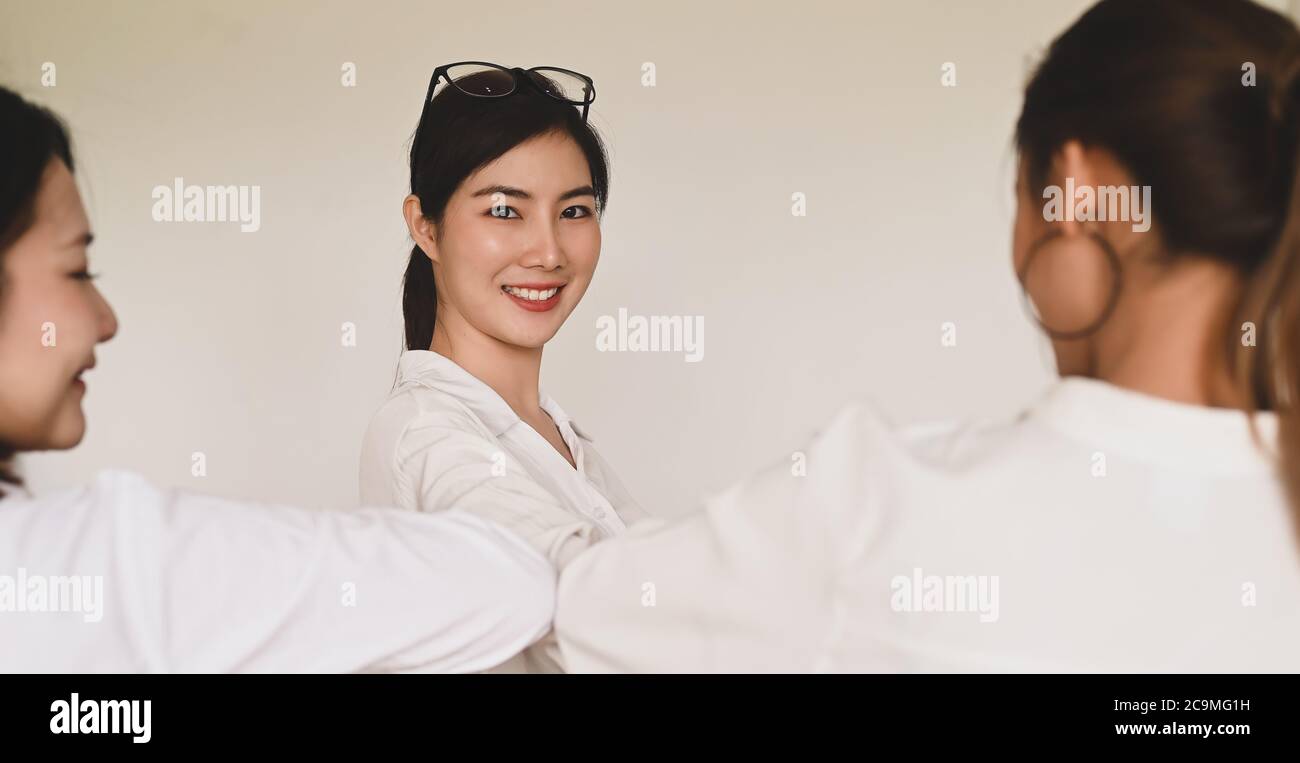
1200,101
1161,84
457,135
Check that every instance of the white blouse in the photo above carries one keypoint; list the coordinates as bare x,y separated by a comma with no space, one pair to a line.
1101,530
444,439
122,577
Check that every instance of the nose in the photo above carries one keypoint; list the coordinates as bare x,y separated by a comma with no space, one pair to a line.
106,319
545,250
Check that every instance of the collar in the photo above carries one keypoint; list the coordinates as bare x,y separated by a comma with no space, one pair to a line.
1153,429
429,369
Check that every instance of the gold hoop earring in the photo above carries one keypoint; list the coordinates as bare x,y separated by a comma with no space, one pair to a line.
1112,258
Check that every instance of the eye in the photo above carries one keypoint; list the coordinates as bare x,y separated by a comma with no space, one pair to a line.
85,275
576,211
503,212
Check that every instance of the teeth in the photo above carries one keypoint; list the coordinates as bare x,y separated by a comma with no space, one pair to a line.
532,295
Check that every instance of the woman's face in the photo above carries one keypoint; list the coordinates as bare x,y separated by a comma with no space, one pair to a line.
51,318
518,244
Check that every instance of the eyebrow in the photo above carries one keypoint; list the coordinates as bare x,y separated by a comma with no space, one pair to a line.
519,193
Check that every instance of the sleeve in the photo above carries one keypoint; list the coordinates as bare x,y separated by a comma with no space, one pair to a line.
446,464
606,477
224,586
746,585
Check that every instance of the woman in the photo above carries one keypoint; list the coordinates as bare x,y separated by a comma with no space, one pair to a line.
1140,516
507,182
121,576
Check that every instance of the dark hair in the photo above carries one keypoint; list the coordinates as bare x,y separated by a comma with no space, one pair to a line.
457,135
30,138
1162,84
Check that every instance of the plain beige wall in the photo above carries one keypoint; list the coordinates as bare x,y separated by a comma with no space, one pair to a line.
230,342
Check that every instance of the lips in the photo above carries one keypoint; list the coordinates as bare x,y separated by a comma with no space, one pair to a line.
534,297
77,380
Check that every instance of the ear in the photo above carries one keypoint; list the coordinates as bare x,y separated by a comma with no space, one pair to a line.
422,230
1073,161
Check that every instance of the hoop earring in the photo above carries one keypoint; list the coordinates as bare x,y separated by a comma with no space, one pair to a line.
1112,258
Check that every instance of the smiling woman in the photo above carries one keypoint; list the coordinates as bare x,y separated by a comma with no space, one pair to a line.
51,315
507,184
449,592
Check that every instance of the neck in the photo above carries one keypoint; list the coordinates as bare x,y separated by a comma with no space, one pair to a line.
512,372
1170,341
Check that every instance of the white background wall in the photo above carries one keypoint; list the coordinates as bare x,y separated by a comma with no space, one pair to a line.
230,342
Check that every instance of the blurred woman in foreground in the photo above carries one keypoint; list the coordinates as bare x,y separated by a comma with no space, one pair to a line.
1139,517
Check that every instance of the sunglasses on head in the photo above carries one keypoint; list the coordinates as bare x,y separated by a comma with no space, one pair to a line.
483,80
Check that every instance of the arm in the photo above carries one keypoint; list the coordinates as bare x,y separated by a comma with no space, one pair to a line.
231,586
748,584
446,464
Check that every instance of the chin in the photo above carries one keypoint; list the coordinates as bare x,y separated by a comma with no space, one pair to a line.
532,337
68,431
530,342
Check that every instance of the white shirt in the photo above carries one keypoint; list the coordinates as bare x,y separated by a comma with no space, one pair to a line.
444,439
1102,530
153,581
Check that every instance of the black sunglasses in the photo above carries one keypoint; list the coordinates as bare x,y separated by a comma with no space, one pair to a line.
484,80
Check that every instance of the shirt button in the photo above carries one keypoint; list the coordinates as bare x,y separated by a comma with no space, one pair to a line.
599,513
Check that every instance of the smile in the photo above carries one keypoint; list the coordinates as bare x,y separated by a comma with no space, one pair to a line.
534,299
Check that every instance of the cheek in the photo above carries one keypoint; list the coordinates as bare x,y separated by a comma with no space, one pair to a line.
472,258
73,311
583,248
42,344
1022,236
490,241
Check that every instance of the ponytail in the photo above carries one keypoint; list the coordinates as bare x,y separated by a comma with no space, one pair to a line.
419,300
1269,376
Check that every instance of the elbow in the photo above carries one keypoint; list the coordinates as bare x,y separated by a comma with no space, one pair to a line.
529,597
539,612
536,583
